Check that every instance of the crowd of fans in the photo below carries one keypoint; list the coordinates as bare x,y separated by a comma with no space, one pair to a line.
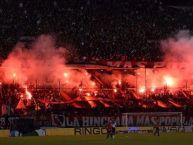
96,29
15,101
47,100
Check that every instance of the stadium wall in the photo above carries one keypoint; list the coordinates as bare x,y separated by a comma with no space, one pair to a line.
94,130
79,131
59,131
99,130
4,133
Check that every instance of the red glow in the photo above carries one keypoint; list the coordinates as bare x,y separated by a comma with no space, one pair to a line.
14,75
88,94
95,93
115,90
161,104
20,105
142,90
28,94
175,104
65,75
25,65
153,88
169,81
91,103
93,84
66,81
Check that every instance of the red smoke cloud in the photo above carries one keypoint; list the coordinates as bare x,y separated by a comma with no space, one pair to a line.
178,73
44,63
179,57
